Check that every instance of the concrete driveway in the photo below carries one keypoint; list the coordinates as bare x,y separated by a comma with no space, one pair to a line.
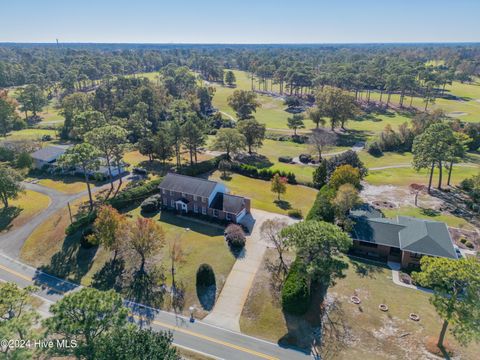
229,305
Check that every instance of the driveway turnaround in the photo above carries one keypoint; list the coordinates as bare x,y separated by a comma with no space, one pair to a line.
228,308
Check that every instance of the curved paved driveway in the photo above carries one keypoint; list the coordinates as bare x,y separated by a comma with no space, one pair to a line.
12,242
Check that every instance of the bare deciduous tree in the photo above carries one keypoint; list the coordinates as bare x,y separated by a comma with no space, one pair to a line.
321,139
270,231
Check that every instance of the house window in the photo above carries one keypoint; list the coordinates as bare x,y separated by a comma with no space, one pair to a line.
415,255
204,200
184,195
165,201
195,208
171,192
164,191
172,203
228,216
194,197
204,210
215,212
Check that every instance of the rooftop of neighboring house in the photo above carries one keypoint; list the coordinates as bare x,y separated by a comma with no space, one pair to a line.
188,185
404,232
49,153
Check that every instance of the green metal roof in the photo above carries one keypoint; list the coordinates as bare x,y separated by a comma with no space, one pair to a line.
407,233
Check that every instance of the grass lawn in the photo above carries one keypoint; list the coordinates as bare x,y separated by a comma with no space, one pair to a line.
450,220
49,248
21,210
388,159
370,333
67,185
407,176
31,134
198,245
296,197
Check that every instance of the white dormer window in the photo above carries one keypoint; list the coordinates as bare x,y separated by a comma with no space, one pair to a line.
204,200
184,195
194,197
164,191
171,192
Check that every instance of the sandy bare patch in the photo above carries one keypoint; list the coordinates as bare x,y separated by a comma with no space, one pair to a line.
396,196
457,113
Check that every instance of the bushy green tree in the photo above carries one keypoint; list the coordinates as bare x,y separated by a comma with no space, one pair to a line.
10,186
244,103
85,316
455,285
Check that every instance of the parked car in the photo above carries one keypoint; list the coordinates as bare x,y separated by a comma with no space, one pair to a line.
140,171
458,252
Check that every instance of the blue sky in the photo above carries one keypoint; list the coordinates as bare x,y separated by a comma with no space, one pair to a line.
240,21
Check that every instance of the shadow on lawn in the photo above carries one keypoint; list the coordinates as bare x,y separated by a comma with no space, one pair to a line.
109,276
182,222
283,204
351,137
7,215
73,261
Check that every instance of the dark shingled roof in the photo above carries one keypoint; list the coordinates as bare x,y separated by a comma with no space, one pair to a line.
228,203
407,233
188,185
48,153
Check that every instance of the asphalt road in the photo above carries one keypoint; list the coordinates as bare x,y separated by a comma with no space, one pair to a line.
210,340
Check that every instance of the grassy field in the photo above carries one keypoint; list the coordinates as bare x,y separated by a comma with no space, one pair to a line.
417,212
370,333
21,210
407,176
296,197
31,134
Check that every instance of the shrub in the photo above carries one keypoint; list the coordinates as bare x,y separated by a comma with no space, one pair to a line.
151,203
467,185
349,157
201,167
345,174
374,149
322,208
305,158
24,161
285,159
469,245
296,290
81,223
235,236
263,174
320,175
295,213
134,194
205,275
463,240
6,155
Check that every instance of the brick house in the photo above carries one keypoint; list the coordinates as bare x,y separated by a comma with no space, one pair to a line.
403,239
199,196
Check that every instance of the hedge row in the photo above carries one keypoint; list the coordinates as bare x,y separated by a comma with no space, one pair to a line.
201,167
296,290
133,194
322,209
263,174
